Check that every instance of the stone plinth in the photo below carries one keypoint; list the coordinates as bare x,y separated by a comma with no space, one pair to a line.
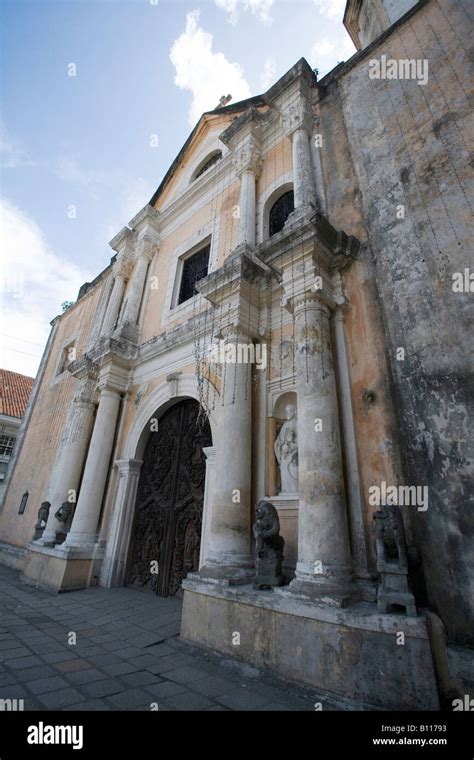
393,589
350,653
58,569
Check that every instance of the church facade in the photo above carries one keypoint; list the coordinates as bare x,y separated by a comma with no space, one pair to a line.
279,324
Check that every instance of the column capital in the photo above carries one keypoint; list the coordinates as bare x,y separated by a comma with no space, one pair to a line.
107,388
235,333
247,157
125,466
123,266
147,245
298,115
310,300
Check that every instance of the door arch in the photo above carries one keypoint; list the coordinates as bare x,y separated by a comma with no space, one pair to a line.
166,532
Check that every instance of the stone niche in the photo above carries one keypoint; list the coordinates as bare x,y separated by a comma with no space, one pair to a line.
286,502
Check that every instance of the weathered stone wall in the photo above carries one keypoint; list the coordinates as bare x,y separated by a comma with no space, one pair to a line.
409,148
43,434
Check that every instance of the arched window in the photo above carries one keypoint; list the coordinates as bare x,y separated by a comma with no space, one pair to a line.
280,211
210,161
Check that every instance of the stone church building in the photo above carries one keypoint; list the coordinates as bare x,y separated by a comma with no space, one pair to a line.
281,322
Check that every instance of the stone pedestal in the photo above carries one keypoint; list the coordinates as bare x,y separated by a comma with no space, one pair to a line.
57,569
393,589
268,574
348,654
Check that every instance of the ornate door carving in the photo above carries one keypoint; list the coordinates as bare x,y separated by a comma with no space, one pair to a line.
166,534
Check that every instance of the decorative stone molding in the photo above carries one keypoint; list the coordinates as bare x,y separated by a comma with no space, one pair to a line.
123,267
298,115
248,158
146,247
147,218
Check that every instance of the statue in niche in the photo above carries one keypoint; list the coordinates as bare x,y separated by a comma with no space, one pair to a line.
286,452
43,514
64,515
268,547
392,562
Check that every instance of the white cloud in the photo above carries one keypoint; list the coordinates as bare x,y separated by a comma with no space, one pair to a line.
268,74
70,170
206,74
12,153
326,54
331,9
259,8
34,282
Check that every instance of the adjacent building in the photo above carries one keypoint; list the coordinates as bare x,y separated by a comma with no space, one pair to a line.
15,391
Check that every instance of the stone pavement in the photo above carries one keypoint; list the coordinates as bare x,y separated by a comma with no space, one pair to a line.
127,655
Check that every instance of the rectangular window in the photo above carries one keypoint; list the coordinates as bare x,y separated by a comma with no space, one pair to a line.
6,445
194,269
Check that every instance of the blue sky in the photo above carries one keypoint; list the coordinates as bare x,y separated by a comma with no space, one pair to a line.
78,154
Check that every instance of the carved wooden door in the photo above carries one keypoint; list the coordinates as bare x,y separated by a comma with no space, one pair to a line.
166,534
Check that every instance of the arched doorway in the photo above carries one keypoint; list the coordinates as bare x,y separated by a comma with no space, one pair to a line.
166,531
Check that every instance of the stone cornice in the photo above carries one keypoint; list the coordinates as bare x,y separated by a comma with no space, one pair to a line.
340,250
112,349
147,217
83,367
122,240
251,122
238,268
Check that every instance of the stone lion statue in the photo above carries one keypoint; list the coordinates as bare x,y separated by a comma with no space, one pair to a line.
43,514
389,533
269,543
65,514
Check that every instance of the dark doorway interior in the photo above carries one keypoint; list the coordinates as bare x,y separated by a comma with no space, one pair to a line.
166,533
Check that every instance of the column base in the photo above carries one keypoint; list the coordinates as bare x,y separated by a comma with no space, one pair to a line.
334,587
83,541
47,539
229,571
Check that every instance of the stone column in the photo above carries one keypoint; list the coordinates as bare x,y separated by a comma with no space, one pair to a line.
210,454
120,528
298,125
69,463
230,508
113,307
354,495
247,163
324,562
146,248
83,531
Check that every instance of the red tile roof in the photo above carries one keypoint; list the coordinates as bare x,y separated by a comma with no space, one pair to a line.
15,390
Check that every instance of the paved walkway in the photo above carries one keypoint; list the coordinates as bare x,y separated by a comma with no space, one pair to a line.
127,655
